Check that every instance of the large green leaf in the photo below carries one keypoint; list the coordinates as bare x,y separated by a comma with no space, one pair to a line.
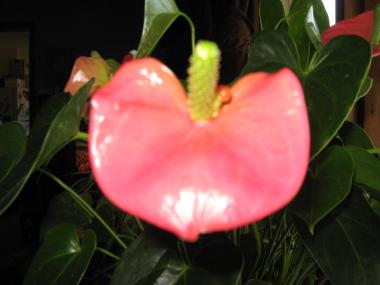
367,170
271,14
347,245
352,134
366,87
271,51
12,146
331,83
321,16
312,30
149,259
296,27
328,183
159,15
56,125
317,20
63,257
152,259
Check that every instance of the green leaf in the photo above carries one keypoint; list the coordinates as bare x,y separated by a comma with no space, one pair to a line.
63,257
159,15
56,125
365,88
352,134
12,146
64,209
296,27
312,30
347,246
271,51
328,183
317,21
330,85
271,14
320,15
367,170
149,259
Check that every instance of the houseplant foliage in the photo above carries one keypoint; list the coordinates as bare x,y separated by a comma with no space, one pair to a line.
328,233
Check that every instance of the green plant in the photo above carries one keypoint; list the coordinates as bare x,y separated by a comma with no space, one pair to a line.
329,232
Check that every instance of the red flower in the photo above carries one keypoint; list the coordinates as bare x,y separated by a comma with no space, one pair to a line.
189,177
361,25
86,68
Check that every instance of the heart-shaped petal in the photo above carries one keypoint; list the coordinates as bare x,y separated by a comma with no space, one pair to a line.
151,160
361,25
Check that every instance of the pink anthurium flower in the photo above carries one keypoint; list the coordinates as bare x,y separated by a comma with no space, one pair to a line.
361,25
151,159
86,68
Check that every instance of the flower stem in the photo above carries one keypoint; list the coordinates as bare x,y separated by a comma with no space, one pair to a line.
139,224
374,151
82,136
192,30
202,81
108,253
257,237
85,206
376,26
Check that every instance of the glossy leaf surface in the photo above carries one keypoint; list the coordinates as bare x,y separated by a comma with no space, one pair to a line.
149,260
367,170
63,257
331,84
159,15
347,246
328,183
352,134
56,125
271,14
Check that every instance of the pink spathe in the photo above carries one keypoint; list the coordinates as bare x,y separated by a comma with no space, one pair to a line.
361,25
152,161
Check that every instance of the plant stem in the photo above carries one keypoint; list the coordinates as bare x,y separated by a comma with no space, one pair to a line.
235,237
82,136
374,151
183,250
140,225
85,206
108,253
376,26
192,30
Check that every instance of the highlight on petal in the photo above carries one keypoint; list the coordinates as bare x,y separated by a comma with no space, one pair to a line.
152,161
361,25
86,68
